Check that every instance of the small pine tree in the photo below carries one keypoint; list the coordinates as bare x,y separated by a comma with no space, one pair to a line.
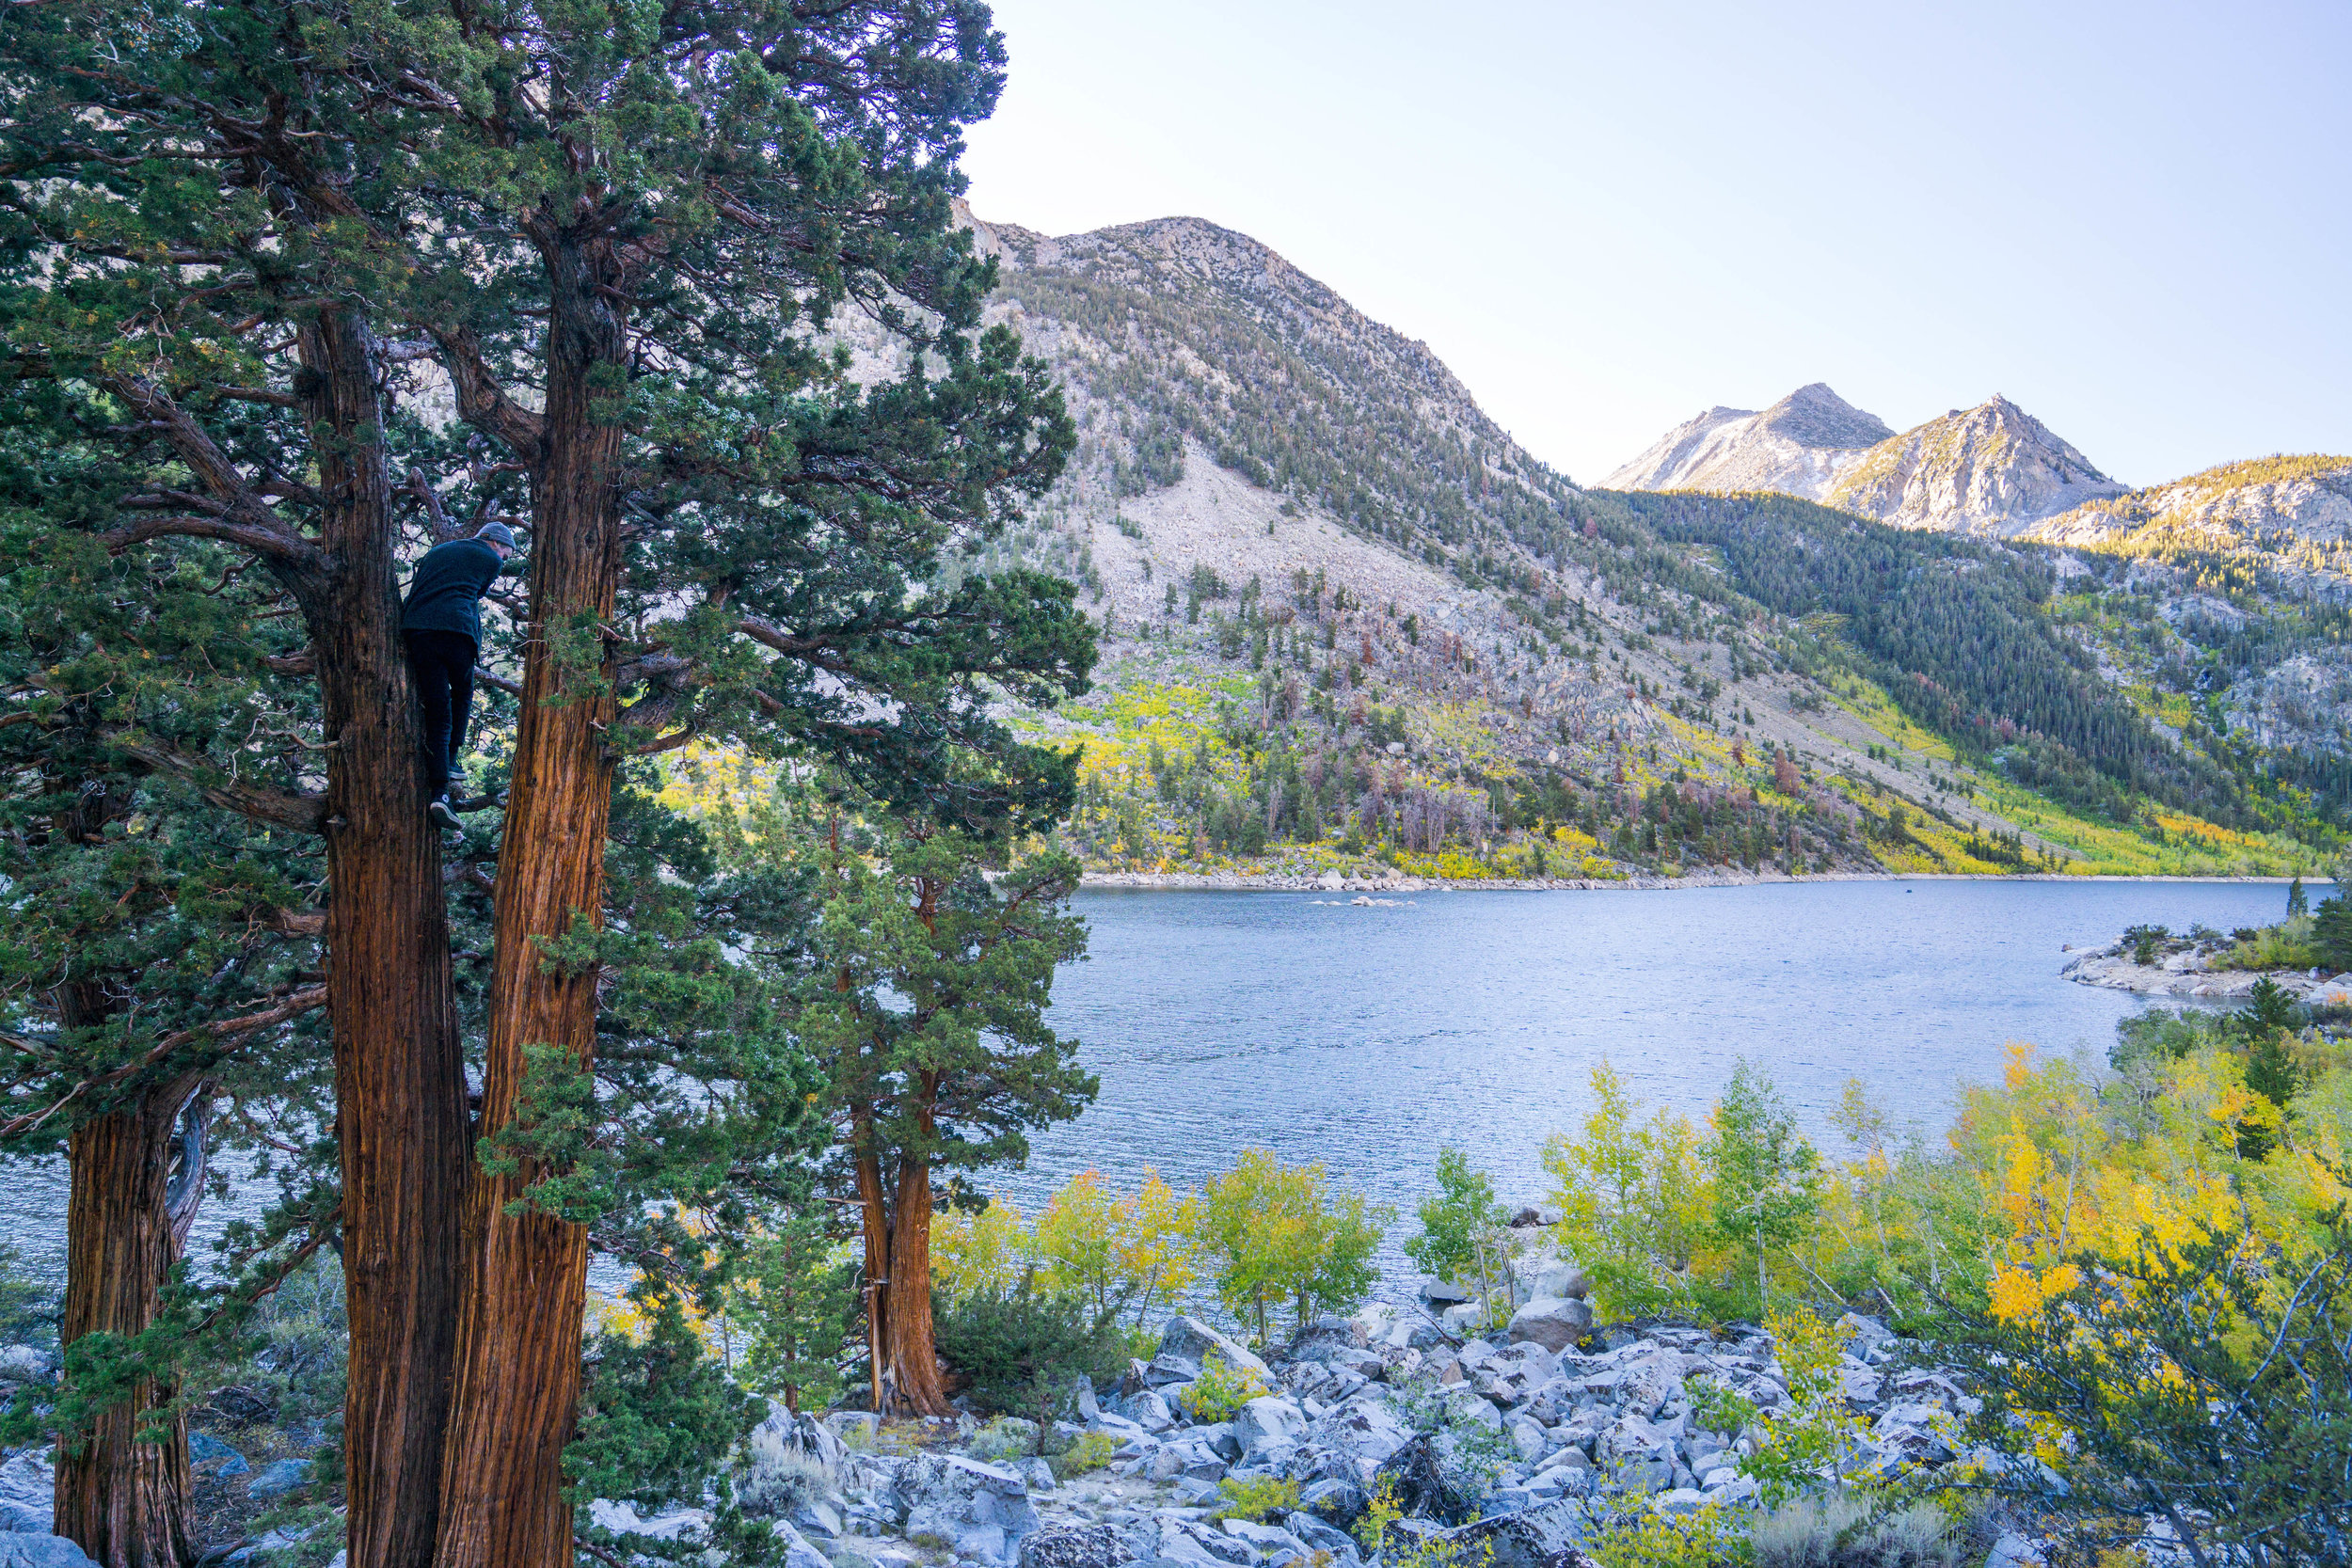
799,1307
1023,1350
2299,902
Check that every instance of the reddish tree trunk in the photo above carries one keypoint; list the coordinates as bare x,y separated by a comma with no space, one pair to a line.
517,1377
123,1501
400,1080
909,1356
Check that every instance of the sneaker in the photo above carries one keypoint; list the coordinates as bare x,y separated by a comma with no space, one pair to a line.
439,810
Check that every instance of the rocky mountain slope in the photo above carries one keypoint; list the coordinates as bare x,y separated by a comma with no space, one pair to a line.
2274,504
1990,469
1351,628
1799,445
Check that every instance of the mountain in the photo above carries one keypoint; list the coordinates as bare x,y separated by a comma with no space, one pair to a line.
1991,469
1799,445
2275,503
1348,622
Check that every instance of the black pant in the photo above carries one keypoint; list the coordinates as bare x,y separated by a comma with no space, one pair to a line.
442,664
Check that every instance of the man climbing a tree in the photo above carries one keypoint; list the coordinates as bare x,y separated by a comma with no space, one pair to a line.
441,625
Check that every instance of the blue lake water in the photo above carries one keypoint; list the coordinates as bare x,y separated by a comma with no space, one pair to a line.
1368,1037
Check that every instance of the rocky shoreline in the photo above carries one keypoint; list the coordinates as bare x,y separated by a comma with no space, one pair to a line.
1524,1441
2190,976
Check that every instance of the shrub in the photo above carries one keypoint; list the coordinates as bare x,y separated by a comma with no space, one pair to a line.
1283,1233
1255,1498
1088,1452
1220,1390
1768,1179
1717,1408
786,1483
2299,943
1021,1350
1634,1198
1451,1220
1817,1430
1003,1437
1642,1537
2214,1390
2146,942
1844,1531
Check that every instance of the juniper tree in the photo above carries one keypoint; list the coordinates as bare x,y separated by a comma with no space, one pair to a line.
930,1025
160,954
250,242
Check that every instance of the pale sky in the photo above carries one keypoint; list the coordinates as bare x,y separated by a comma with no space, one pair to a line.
2135,220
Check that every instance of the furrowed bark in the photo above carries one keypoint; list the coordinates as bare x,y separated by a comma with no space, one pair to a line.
124,1502
517,1368
913,1359
399,1081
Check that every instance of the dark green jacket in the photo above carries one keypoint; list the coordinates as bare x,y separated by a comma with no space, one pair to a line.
445,591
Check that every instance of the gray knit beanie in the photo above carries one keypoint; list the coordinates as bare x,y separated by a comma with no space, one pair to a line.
497,533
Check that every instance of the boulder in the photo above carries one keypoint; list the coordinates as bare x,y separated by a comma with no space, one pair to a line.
1074,1547
26,1549
624,1519
1321,1536
278,1478
1364,1427
1562,1280
798,1553
1187,1541
1194,1341
1270,1418
1336,1502
1149,1410
982,1511
1271,1544
1444,1293
1463,1319
1554,1322
819,1517
1863,1335
1862,1384
28,1494
1652,1381
1165,1371
1325,1382
777,1455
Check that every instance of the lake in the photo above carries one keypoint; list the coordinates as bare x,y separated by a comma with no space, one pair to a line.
1367,1037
